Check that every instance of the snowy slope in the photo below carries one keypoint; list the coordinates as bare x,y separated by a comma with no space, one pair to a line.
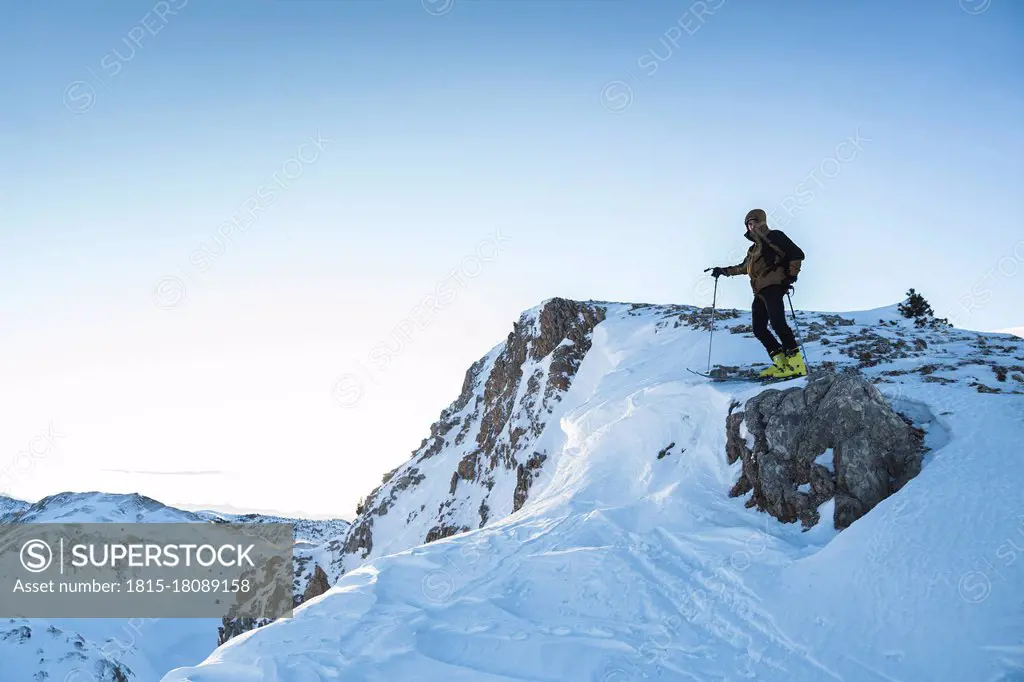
142,649
37,650
98,507
10,505
624,566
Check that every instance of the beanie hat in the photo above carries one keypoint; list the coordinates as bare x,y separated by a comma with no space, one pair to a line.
758,215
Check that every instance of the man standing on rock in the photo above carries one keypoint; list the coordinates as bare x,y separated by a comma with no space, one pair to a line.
773,263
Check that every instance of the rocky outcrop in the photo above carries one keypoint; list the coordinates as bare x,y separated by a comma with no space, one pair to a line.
268,597
562,330
485,437
318,584
232,627
441,532
784,439
525,474
359,538
511,417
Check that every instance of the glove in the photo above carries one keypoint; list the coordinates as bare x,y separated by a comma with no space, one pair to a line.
717,272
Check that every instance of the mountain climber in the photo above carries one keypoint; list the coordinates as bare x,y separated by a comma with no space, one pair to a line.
773,263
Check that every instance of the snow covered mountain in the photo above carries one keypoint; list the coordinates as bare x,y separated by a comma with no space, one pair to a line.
314,531
97,507
9,505
593,511
119,650
480,458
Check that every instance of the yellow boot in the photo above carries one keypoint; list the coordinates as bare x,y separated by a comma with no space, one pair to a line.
796,363
779,367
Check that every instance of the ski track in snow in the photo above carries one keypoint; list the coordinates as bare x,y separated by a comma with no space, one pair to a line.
625,567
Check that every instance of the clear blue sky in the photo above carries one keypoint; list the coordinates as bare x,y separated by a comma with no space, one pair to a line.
617,146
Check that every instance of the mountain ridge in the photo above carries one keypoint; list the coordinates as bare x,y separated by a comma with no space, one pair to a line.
537,471
137,649
544,327
627,557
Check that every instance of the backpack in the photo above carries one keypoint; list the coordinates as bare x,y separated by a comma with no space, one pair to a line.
789,255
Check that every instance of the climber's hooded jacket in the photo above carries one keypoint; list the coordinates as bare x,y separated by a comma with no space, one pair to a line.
773,258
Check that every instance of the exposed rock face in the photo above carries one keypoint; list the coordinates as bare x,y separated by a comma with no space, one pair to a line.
441,532
359,539
482,444
524,479
232,627
559,321
874,450
318,584
268,598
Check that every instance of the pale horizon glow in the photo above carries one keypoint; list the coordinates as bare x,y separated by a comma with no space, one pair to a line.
403,185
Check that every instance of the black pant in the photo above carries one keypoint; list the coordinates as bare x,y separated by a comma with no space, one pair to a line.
769,307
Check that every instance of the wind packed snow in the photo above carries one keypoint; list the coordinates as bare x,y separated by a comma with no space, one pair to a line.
626,566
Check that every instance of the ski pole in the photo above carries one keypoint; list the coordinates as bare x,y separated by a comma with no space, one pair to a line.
799,336
714,301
